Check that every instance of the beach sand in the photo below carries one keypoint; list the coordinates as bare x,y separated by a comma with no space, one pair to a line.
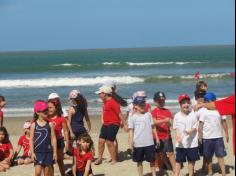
124,168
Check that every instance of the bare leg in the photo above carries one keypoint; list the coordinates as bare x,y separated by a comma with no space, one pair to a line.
101,148
153,168
61,162
222,165
112,150
191,168
140,169
209,166
171,157
177,169
38,170
160,163
48,171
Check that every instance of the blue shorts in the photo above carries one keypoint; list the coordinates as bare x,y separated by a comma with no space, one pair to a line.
79,131
144,154
214,146
166,146
187,154
44,159
60,144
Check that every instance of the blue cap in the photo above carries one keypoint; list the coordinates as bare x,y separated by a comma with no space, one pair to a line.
210,97
139,101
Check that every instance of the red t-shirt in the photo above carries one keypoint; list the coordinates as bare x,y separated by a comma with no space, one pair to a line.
5,150
81,160
227,107
163,130
111,111
58,121
24,142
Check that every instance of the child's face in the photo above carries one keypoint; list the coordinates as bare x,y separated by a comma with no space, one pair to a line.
43,114
2,104
140,108
84,145
2,136
102,96
51,109
185,106
204,88
161,103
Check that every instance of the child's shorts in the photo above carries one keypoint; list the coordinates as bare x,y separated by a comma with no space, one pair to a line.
44,159
214,146
144,154
109,132
187,154
166,146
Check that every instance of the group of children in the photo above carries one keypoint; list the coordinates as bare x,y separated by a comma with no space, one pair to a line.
150,136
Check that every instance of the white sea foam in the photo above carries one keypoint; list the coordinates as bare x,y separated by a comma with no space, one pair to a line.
60,82
111,63
67,65
160,63
213,75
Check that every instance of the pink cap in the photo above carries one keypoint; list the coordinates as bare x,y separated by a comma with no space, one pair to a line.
27,125
40,106
73,94
183,97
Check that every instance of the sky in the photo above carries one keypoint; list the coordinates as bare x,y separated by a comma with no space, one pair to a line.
91,24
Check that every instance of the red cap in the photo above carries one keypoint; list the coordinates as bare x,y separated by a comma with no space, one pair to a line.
183,97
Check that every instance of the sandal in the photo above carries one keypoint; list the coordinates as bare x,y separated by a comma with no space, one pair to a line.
98,162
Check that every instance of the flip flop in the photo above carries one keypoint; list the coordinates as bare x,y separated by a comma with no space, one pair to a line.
98,162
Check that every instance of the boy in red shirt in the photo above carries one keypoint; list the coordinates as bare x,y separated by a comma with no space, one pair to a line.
2,104
162,118
111,119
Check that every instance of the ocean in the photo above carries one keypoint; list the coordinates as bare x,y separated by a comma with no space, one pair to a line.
28,76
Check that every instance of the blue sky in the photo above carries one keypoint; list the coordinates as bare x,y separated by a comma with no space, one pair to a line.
85,24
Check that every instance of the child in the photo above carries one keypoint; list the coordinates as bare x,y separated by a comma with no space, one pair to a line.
186,124
162,118
83,156
43,143
6,150
141,132
111,119
76,115
24,142
56,117
201,86
210,134
2,104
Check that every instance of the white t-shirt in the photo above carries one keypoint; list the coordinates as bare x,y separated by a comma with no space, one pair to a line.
212,128
184,123
142,126
130,109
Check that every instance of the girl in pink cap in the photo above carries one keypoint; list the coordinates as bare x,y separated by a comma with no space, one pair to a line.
24,143
43,143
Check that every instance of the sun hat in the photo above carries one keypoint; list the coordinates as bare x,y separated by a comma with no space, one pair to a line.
139,101
210,96
27,125
110,84
159,96
40,106
183,97
53,96
74,94
104,89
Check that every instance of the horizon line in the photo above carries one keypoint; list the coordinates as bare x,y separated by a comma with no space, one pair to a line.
118,48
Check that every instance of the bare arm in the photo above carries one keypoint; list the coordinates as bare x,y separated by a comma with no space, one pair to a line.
200,132
54,141
154,131
87,169
131,138
70,114
87,118
226,130
32,141
209,106
66,134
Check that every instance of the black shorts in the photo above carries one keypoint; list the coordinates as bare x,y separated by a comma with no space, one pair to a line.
187,154
109,132
141,154
166,146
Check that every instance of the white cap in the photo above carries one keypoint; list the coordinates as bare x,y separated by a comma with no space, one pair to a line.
110,84
53,96
141,94
104,89
73,94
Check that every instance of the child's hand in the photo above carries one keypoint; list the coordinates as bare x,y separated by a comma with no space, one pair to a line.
190,131
33,156
72,135
55,157
227,138
67,146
